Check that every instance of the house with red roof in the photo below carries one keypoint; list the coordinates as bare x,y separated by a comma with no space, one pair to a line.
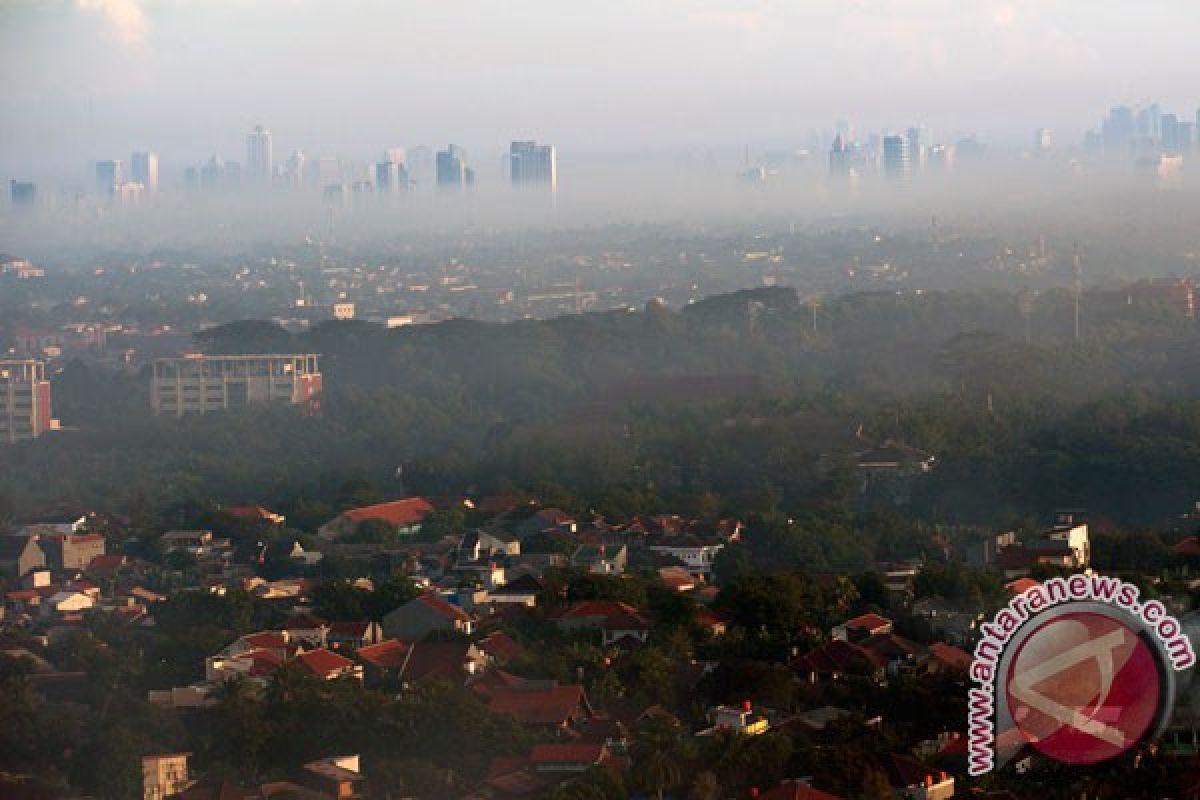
557,707
861,627
383,660
328,665
423,615
945,658
405,514
615,621
835,659
796,790
567,756
255,514
500,648
453,662
356,634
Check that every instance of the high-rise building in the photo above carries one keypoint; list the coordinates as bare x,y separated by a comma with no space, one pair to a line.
204,384
897,162
918,146
452,169
390,173
532,164
24,400
841,157
1118,130
1187,136
1169,127
293,170
941,158
143,169
258,155
108,175
1041,140
23,193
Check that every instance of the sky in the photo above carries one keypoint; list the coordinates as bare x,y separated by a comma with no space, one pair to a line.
88,79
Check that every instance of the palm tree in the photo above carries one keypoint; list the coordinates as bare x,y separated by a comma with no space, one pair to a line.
657,752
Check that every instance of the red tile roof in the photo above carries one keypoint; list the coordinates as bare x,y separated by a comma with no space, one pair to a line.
273,640
795,790
323,663
567,753
447,610
105,563
431,661
388,654
870,622
1188,547
265,661
251,512
500,646
1021,585
610,614
837,656
951,656
408,511
553,706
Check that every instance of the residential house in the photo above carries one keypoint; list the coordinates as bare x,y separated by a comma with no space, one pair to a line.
796,790
67,603
616,621
555,707
383,660
455,662
546,519
406,515
328,665
20,555
861,627
355,635
522,591
423,615
164,775
339,777
946,619
947,659
696,553
601,559
488,543
912,780
500,648
837,658
71,552
572,757
742,719
256,514
307,628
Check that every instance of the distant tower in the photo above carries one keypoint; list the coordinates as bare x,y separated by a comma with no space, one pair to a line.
1077,284
532,164
1041,140
918,147
897,160
143,169
452,169
23,194
841,157
1025,304
258,155
108,175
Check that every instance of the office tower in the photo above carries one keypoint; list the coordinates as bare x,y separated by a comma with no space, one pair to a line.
23,193
258,155
24,400
1149,124
1041,140
532,164
212,173
390,174
293,170
969,148
897,162
841,157
452,169
143,169
128,194
1169,128
941,158
1118,130
324,171
394,154
918,146
108,175
1187,136
203,384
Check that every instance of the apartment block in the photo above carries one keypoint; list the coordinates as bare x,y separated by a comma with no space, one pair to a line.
200,384
24,401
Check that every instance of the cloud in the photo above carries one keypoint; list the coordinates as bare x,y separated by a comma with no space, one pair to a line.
125,18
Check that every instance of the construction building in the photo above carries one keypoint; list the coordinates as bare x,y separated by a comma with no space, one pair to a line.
200,384
24,401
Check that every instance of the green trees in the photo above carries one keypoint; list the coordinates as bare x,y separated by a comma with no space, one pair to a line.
658,750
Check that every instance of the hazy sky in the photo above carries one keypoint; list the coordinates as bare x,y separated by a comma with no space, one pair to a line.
83,79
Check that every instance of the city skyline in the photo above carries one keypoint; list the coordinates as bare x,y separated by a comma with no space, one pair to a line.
172,76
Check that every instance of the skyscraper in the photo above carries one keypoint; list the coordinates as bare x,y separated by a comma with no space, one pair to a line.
452,169
390,174
533,164
841,157
143,168
24,401
23,194
258,155
897,162
918,146
1041,140
1118,130
1169,124
108,175
293,170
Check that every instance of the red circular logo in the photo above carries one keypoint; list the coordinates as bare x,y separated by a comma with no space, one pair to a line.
1083,687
